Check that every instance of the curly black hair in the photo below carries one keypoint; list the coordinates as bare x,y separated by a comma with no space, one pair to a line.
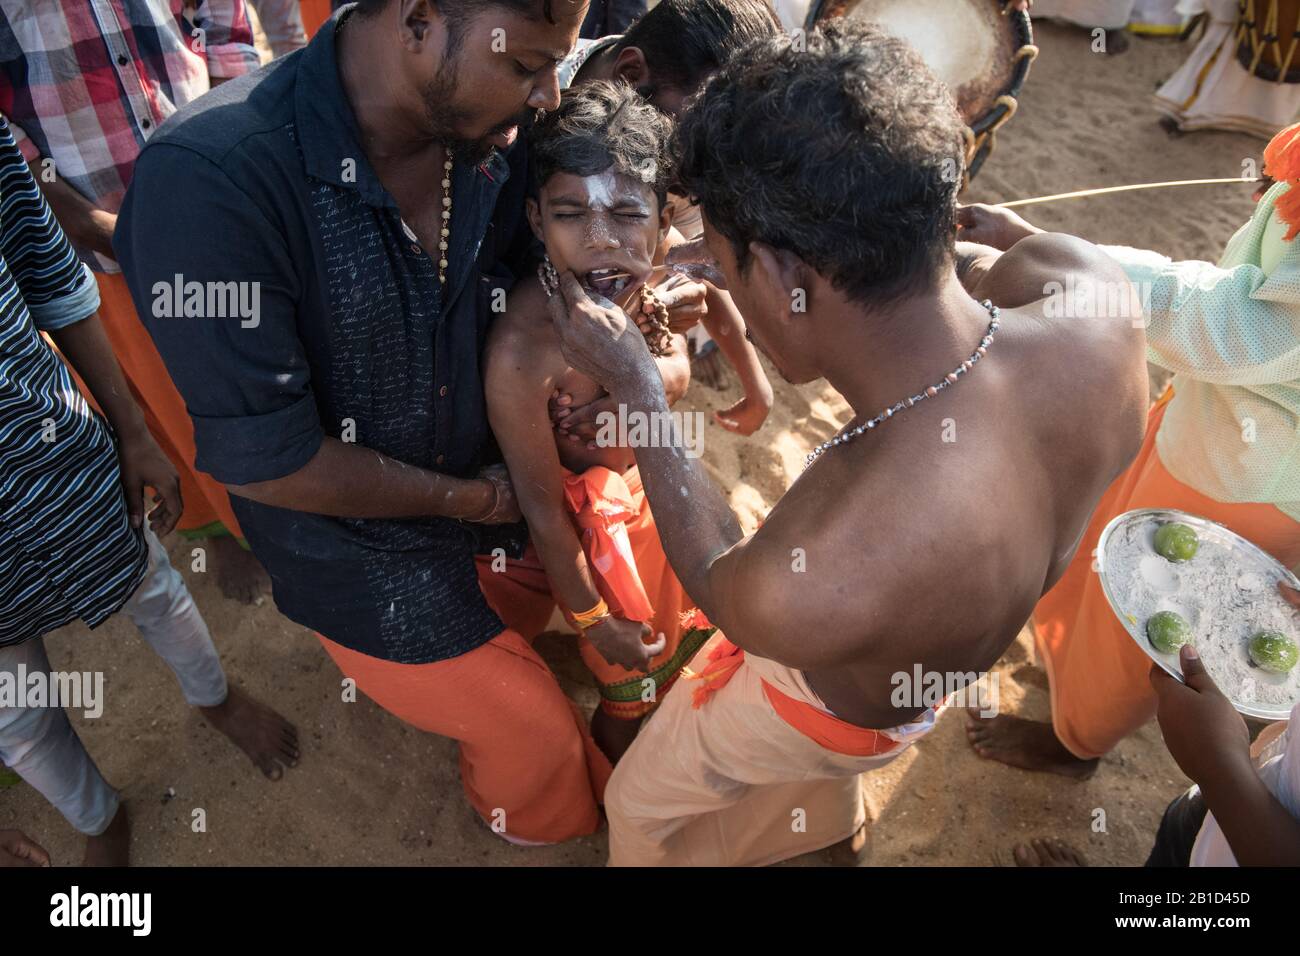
840,146
686,40
600,125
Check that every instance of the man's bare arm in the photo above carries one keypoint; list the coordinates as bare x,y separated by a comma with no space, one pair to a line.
581,420
85,223
1045,264
141,463
746,585
696,525
346,480
1258,827
973,263
742,584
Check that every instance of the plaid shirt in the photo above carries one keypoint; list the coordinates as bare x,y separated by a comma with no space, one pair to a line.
86,82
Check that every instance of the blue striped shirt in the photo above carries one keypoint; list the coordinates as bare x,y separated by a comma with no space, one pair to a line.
67,549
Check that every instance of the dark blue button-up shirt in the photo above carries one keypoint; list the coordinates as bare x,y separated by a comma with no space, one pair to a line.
263,183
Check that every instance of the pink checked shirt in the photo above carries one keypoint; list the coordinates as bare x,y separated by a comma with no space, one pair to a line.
85,83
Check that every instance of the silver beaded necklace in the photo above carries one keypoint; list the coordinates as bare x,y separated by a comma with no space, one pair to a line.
930,392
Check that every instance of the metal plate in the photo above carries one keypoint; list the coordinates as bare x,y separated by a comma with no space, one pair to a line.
1134,531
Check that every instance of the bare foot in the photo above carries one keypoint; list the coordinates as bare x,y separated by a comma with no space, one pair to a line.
1026,744
1047,853
613,735
270,741
239,575
113,846
707,366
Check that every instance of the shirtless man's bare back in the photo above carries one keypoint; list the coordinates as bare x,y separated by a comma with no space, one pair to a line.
927,540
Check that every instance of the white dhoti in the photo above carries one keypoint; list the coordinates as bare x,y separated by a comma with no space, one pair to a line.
732,783
1213,90
1108,14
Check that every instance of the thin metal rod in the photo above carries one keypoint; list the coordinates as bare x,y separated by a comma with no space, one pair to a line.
1123,189
628,275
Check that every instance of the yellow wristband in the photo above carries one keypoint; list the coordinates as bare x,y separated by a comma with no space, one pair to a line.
591,617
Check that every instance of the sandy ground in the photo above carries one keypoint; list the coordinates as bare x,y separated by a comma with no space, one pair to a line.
372,790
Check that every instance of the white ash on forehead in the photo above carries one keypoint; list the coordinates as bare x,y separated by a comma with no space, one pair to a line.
1226,594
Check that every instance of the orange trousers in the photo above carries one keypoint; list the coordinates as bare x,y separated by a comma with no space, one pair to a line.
314,13
1098,676
207,503
527,760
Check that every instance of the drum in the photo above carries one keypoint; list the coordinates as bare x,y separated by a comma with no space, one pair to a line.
1268,41
982,54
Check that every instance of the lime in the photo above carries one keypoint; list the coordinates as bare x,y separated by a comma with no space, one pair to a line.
1176,542
1274,652
1168,631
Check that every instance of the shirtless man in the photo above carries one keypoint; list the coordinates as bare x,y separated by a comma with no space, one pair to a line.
825,179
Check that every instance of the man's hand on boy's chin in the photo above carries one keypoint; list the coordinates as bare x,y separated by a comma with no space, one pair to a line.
601,340
1203,731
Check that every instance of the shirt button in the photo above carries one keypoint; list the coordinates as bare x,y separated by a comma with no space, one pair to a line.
439,460
145,123
443,391
415,247
121,59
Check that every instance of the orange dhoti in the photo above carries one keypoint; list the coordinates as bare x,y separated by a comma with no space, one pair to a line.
527,761
632,573
314,14
207,504
1098,676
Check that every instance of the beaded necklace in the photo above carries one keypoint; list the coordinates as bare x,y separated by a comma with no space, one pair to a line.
930,392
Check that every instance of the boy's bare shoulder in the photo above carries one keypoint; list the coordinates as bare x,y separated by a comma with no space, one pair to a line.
525,324
523,351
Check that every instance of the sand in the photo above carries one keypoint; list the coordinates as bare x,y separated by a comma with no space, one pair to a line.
371,790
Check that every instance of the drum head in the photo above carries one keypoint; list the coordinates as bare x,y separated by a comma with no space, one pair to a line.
969,44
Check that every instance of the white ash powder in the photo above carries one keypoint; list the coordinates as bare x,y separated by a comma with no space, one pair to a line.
1227,595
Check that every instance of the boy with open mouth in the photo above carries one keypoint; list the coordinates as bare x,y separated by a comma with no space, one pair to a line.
600,174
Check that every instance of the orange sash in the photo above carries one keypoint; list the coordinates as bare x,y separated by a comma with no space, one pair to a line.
825,730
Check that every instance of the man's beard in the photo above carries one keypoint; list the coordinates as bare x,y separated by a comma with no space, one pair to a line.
445,119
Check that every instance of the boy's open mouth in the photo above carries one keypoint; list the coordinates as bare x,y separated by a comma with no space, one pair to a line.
606,282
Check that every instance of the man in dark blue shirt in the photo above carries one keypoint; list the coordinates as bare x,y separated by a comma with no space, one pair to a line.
321,302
